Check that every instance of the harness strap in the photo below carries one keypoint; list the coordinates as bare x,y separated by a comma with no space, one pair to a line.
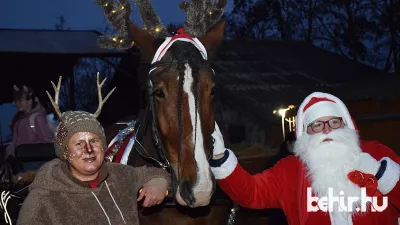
141,125
143,153
142,128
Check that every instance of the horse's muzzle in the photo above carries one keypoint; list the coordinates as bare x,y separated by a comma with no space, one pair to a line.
186,195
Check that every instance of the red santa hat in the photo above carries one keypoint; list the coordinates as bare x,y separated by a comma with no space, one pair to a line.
320,104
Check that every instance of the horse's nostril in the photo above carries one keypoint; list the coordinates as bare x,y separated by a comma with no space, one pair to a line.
186,192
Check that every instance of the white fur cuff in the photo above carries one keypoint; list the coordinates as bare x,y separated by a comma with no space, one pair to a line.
390,177
226,168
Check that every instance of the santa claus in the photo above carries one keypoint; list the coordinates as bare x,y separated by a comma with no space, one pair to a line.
333,178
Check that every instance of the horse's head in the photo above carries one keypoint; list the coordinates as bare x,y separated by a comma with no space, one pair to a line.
181,88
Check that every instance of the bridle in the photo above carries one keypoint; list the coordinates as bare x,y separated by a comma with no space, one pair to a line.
141,128
150,109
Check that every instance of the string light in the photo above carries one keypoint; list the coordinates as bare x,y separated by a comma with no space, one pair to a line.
157,29
210,12
106,4
114,39
113,11
232,214
120,41
122,7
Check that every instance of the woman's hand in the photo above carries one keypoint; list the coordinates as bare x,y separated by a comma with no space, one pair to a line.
153,194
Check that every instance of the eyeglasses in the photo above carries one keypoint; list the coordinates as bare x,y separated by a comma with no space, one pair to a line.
319,126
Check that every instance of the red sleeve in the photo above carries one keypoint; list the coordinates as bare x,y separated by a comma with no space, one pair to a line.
259,191
378,151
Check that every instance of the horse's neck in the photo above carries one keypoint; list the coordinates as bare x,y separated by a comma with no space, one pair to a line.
134,158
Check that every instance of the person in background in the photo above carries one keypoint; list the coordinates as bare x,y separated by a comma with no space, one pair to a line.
330,161
29,125
285,149
276,216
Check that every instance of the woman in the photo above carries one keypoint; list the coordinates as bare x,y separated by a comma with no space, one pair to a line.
79,187
30,125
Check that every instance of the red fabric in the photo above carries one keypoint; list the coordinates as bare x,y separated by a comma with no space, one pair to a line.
314,100
285,186
122,149
93,183
368,181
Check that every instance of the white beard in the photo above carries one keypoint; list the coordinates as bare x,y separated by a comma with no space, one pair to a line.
328,163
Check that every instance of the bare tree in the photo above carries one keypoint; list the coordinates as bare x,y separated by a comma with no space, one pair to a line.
84,78
365,31
85,72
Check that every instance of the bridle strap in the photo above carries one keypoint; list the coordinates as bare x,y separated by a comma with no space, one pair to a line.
143,153
157,62
142,128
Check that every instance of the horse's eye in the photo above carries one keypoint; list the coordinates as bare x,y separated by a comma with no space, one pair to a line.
213,90
159,93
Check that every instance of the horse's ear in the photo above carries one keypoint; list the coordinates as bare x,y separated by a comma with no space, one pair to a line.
213,38
144,41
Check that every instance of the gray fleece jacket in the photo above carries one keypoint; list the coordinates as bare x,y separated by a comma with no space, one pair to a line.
56,197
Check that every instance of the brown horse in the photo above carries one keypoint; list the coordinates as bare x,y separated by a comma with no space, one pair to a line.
178,119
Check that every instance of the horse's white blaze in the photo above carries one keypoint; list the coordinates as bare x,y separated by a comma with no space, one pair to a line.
203,188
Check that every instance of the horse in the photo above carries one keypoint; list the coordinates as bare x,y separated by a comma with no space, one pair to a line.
178,118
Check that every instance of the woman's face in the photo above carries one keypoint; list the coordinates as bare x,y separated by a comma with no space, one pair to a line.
23,104
84,151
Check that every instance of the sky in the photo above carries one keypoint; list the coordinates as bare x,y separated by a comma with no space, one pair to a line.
78,14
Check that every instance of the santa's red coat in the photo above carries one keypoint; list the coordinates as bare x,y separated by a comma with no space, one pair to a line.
285,186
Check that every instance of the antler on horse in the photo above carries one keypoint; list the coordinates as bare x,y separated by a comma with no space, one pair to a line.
54,101
152,22
119,18
101,101
201,15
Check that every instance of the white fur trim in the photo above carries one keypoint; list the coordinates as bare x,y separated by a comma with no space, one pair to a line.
226,168
300,126
338,219
168,43
321,109
390,177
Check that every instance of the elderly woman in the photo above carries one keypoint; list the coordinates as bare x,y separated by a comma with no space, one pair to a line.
80,187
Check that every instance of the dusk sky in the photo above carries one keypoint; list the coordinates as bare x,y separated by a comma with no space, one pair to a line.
78,14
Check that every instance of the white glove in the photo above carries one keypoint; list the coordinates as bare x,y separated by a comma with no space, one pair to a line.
367,164
219,145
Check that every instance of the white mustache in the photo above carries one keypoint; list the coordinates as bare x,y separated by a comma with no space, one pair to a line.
335,135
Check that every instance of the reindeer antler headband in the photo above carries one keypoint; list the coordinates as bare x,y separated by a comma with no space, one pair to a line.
201,15
56,106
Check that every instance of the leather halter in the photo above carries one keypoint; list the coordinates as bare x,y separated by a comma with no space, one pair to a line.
150,110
